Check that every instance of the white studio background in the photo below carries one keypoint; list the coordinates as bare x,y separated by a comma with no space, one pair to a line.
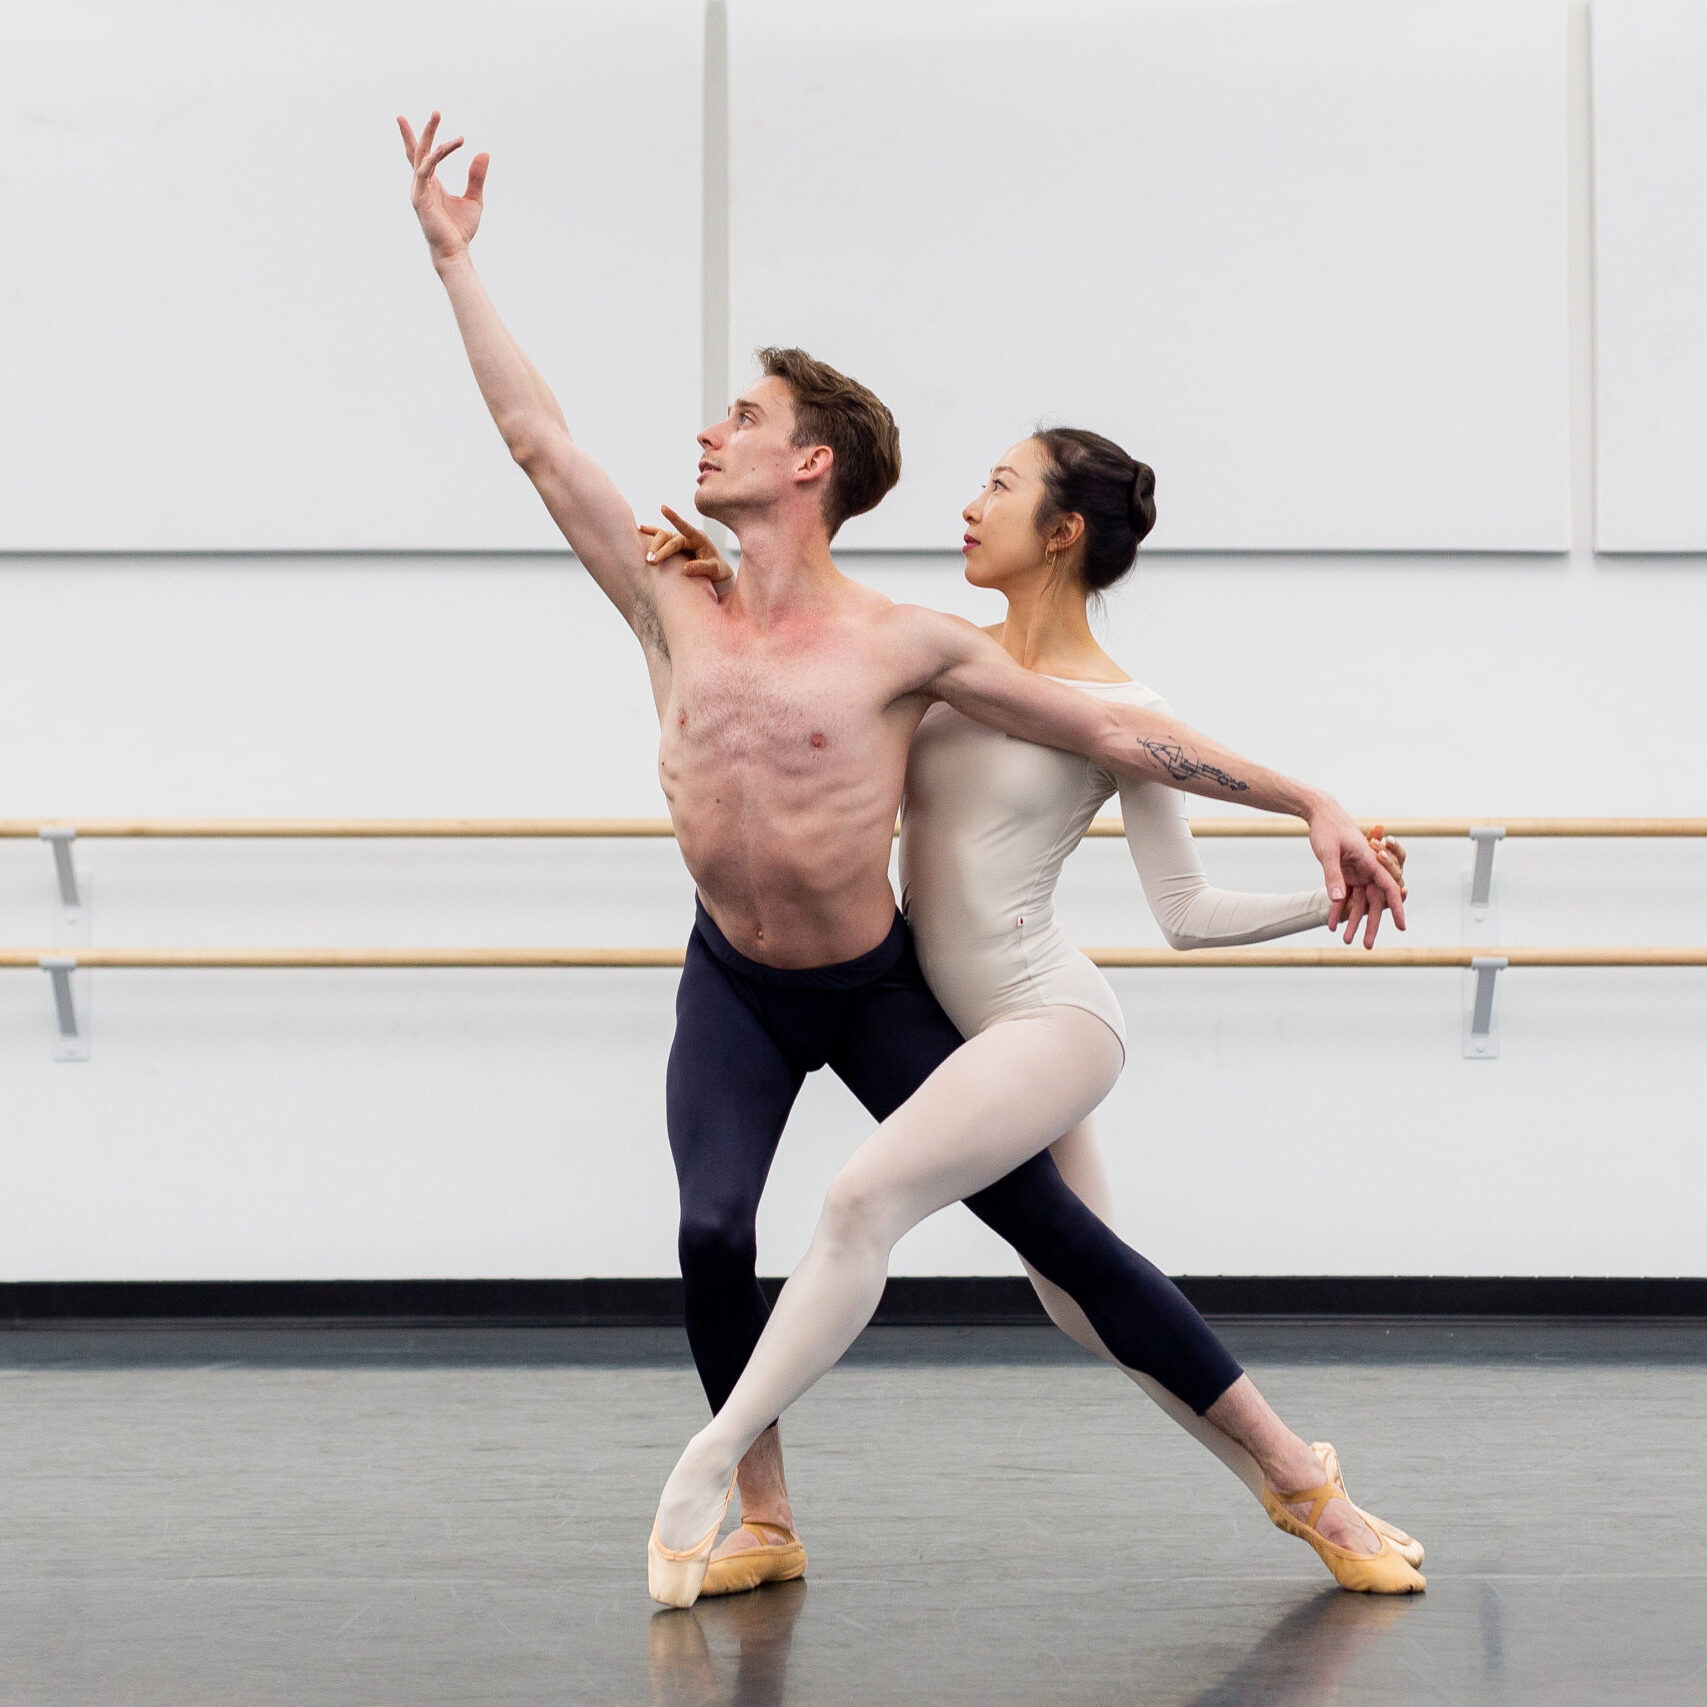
308,1125
1310,252
1650,168
225,333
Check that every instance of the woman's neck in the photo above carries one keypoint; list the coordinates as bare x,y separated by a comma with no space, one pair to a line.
1048,630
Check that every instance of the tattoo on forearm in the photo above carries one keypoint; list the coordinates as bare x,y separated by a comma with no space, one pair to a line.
1182,769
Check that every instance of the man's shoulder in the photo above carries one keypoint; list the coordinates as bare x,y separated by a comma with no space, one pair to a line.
923,624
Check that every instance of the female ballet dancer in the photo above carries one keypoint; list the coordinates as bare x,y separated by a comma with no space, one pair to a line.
986,824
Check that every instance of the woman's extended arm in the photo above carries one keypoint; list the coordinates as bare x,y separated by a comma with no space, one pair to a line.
1190,910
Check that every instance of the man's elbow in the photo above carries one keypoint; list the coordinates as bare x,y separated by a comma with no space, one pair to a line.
525,447
1115,748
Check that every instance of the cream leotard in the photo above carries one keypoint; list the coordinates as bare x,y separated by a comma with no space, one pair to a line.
986,823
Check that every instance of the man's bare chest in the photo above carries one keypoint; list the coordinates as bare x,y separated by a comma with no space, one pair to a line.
783,706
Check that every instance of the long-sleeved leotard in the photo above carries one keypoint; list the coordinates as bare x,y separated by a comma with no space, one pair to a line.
987,822
979,860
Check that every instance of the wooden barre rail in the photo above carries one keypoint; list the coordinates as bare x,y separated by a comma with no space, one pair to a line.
165,959
564,829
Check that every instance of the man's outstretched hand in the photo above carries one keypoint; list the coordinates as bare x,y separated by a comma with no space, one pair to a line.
1360,878
448,222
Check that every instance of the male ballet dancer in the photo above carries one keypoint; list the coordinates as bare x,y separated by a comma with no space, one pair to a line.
786,708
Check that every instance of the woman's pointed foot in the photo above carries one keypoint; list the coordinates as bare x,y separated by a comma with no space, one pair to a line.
675,1576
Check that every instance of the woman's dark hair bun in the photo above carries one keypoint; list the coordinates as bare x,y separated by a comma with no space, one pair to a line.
1143,498
1090,476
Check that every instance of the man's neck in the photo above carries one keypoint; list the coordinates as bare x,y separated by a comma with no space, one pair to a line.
785,564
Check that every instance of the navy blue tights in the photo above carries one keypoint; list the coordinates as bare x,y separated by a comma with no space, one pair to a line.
746,1037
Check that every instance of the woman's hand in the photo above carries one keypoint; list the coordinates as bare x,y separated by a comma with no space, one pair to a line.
703,559
1365,902
448,222
1392,855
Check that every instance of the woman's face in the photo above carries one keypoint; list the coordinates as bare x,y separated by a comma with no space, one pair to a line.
1002,542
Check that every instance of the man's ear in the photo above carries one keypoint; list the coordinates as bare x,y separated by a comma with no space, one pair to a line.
814,462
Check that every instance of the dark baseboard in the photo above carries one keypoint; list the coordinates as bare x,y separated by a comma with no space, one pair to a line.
936,1301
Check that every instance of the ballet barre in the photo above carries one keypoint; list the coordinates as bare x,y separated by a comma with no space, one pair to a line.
1484,964
1153,959
1486,833
567,829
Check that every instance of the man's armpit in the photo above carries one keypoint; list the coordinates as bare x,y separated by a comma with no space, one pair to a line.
648,625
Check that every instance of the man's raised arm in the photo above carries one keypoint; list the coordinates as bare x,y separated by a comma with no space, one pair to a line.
594,517
972,673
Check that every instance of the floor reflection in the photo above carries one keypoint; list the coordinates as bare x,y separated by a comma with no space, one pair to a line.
734,1652
688,1653
1302,1660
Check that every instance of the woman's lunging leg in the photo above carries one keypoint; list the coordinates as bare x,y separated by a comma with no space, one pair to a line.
997,1101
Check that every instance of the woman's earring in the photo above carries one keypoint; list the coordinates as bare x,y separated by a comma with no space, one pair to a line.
1049,560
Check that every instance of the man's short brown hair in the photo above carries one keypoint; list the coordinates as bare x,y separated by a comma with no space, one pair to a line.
831,409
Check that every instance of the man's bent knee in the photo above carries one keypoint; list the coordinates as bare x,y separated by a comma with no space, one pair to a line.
717,1242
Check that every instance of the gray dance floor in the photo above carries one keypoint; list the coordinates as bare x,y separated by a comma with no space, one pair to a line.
433,1516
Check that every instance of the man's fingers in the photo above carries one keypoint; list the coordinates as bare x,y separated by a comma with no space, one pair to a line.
477,177
408,138
1354,917
1392,894
686,529
1330,858
440,152
1356,904
1377,903
427,135
665,547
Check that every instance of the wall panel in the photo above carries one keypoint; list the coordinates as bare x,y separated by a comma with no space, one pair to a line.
219,329
1650,216
1305,256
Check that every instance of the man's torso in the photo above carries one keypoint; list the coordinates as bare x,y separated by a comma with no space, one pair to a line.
782,752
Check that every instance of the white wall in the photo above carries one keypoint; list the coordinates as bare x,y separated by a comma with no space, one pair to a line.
319,1124
1650,163
1309,253
433,1123
222,329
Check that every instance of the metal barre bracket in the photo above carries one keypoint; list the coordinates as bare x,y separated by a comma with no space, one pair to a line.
1481,1035
71,928
1486,837
71,1043
60,838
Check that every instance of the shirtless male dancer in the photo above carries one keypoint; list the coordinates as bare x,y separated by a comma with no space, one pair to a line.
786,709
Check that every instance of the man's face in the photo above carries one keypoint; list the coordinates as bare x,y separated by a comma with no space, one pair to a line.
746,461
